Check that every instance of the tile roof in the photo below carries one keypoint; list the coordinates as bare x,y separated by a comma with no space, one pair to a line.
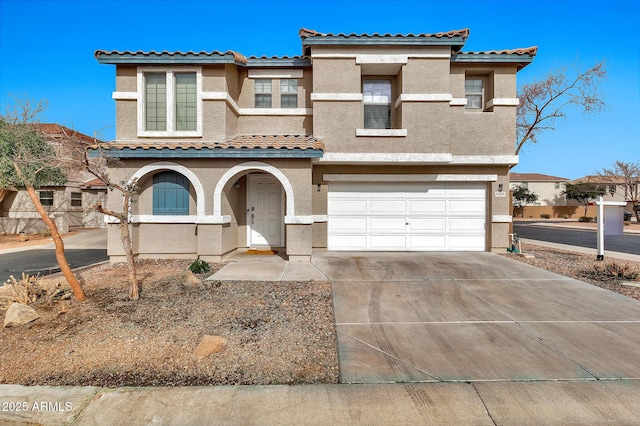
305,33
534,177
285,142
94,184
101,54
57,131
533,50
601,180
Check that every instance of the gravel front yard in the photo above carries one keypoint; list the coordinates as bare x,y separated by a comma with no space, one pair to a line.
277,332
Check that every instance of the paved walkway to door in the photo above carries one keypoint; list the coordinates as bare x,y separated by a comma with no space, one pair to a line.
475,317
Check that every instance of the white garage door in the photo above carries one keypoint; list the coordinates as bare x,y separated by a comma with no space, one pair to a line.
407,216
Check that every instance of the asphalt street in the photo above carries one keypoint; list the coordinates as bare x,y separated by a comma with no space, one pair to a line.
628,243
85,248
43,261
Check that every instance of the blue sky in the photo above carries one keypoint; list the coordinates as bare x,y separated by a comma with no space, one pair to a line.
46,52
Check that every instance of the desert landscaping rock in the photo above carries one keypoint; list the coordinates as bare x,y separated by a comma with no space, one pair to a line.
190,280
210,345
19,314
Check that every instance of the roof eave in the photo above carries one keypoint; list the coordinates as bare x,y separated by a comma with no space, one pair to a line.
210,153
455,42
278,62
519,59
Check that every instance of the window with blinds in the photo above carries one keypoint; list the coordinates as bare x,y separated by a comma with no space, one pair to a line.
186,101
473,92
262,89
377,104
155,101
289,93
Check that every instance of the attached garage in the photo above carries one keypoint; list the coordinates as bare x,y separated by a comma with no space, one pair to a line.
413,216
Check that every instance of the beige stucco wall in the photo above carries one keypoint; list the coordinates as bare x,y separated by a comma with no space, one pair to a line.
548,194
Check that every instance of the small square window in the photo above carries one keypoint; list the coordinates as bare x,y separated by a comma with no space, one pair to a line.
473,92
46,198
76,199
557,185
524,185
262,88
289,93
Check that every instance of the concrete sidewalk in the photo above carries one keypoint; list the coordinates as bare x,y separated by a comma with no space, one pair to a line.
481,403
268,267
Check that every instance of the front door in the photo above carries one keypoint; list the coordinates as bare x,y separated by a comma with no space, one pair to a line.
264,211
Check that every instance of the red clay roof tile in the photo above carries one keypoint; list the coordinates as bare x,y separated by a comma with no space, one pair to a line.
533,177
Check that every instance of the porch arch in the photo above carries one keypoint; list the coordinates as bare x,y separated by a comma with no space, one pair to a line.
252,165
167,165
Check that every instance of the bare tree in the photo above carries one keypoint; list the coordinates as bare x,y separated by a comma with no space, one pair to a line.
28,161
97,166
626,174
542,102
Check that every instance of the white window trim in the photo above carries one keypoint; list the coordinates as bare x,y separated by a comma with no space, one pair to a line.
170,79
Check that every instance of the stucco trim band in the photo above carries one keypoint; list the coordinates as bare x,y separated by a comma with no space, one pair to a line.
393,133
276,111
458,102
484,159
125,96
501,218
355,157
409,178
337,97
503,102
269,73
305,220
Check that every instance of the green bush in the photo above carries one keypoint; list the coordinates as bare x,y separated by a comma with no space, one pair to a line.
199,267
585,219
545,215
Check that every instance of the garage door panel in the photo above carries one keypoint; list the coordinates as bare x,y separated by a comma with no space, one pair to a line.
466,242
387,242
422,207
388,206
426,242
427,225
347,242
387,224
466,207
348,224
466,225
348,207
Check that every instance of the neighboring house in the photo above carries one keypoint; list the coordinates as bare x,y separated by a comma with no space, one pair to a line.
615,190
365,142
67,204
549,189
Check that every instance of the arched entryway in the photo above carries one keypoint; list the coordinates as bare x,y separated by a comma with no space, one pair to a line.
268,197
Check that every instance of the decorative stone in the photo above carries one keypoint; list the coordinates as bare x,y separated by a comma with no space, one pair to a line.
190,280
19,314
210,345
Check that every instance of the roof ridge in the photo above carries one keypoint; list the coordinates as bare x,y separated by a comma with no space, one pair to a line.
533,50
464,32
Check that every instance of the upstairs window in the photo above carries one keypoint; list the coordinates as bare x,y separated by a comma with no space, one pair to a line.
289,93
155,102
473,91
170,194
76,199
377,104
262,88
171,103
186,101
46,198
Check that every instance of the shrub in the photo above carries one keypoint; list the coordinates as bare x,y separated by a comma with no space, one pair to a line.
585,219
614,270
199,267
627,223
545,215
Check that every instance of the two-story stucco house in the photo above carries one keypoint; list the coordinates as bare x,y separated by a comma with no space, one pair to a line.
365,142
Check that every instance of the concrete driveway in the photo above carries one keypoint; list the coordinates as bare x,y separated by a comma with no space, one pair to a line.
475,317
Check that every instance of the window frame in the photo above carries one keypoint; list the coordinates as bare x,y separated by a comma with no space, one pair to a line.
76,199
262,92
42,198
480,92
185,186
171,108
366,103
288,94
